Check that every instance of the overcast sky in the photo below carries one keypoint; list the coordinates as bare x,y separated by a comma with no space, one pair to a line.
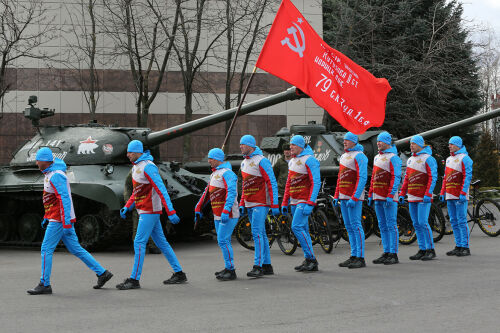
484,12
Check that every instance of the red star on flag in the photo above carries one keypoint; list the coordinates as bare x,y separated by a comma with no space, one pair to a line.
89,140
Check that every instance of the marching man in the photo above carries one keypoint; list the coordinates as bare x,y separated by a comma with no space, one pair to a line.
222,192
420,179
149,197
455,191
58,219
386,177
259,192
350,191
301,190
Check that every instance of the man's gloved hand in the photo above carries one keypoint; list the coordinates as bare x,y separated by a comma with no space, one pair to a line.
307,209
284,210
335,202
174,219
462,198
401,199
370,201
427,199
389,201
351,203
224,218
442,198
197,217
242,210
275,211
45,222
123,212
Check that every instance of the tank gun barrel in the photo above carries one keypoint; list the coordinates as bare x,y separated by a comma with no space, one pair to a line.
433,133
158,137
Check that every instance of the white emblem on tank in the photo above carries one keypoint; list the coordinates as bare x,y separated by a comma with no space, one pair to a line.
87,146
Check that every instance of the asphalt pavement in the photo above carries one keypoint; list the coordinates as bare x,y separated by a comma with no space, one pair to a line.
448,294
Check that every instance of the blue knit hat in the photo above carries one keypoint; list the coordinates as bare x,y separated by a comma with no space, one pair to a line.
385,137
457,141
351,137
216,154
298,140
135,146
248,140
417,139
44,154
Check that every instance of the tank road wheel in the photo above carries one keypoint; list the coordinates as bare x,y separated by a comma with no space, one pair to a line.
89,230
29,227
5,227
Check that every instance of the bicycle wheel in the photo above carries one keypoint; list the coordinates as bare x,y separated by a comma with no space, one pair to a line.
335,223
448,230
313,230
368,220
488,216
243,232
271,229
436,222
285,237
407,233
324,234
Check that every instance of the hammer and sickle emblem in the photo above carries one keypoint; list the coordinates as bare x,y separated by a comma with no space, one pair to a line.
298,47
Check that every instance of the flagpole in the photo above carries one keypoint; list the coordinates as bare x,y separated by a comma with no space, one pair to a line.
238,110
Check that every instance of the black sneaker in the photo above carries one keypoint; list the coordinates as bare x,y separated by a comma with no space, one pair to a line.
128,284
256,272
102,279
40,289
176,278
465,251
268,269
310,266
154,250
358,262
418,255
219,272
381,259
300,267
453,252
391,259
347,262
429,255
227,275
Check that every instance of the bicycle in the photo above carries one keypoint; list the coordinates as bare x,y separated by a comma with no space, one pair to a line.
406,229
485,212
277,228
319,228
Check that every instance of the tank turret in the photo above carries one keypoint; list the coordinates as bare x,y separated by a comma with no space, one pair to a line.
97,169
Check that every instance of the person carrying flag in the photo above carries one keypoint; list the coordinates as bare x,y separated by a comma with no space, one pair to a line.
149,197
301,191
350,191
58,219
386,177
259,192
419,181
222,193
455,191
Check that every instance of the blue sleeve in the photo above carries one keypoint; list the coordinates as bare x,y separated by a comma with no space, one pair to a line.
151,172
362,162
59,182
431,162
467,161
312,165
272,185
231,181
396,166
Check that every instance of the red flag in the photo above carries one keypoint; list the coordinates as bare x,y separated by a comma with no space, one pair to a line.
294,52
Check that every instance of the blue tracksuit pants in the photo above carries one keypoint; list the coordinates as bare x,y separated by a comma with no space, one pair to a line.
458,218
419,212
224,232
388,225
300,227
149,226
54,233
257,217
352,222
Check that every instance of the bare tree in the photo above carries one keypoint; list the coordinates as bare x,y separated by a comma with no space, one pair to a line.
24,27
144,32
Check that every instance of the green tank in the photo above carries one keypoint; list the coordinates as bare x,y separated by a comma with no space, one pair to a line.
97,170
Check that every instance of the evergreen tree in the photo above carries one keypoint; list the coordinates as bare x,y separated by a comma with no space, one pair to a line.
421,47
486,161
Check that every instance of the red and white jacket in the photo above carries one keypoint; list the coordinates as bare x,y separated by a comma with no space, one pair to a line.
458,175
386,175
420,177
352,175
